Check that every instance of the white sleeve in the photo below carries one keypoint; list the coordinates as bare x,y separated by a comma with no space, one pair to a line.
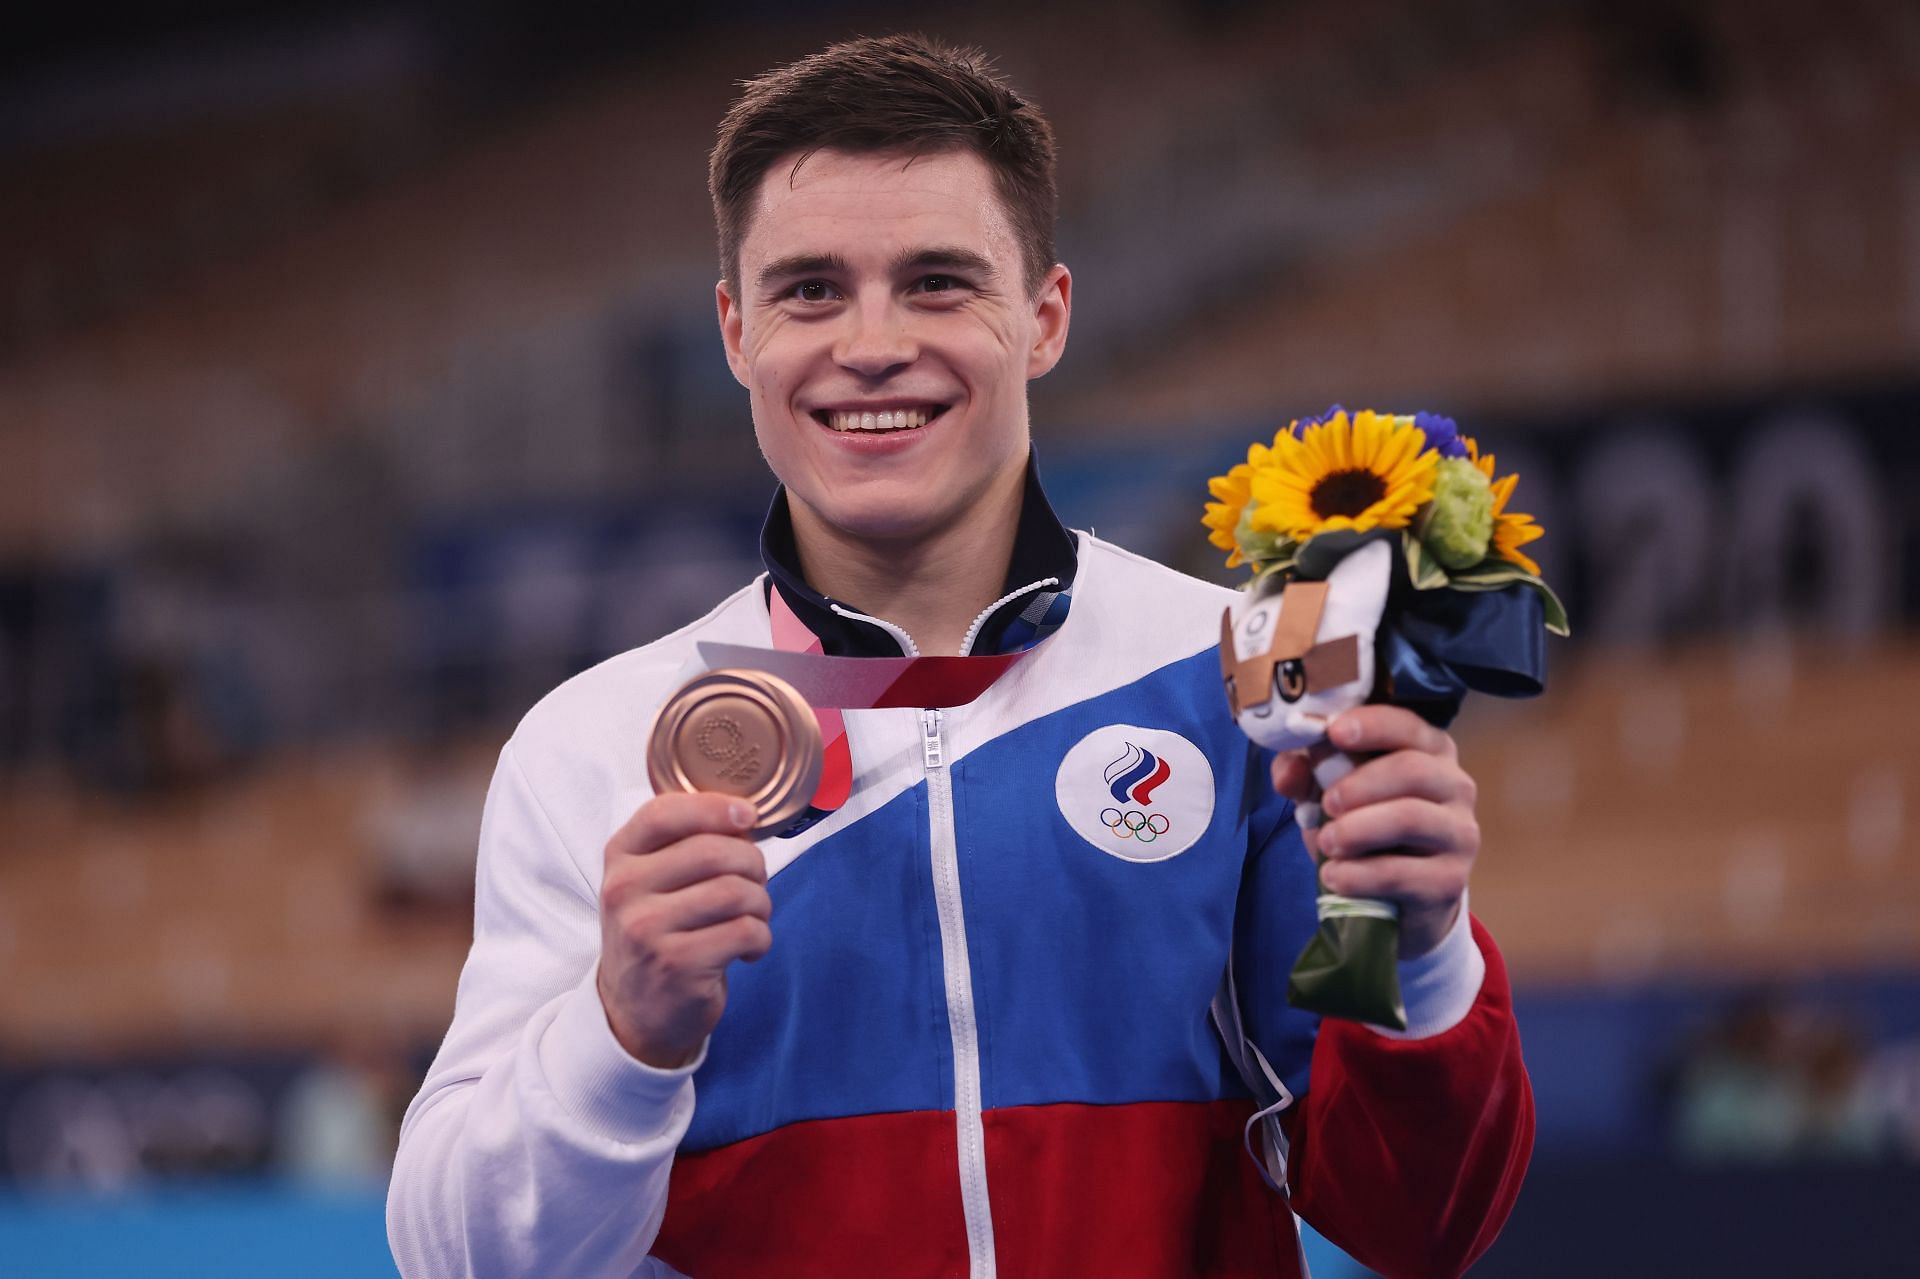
1439,988
537,1145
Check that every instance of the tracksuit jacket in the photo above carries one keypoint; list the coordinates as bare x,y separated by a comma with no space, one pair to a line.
994,1033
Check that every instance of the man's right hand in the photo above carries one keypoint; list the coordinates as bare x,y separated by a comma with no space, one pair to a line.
684,894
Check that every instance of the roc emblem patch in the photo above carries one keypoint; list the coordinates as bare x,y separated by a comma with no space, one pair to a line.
1140,794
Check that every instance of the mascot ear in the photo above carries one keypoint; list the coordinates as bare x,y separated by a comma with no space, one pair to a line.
1357,591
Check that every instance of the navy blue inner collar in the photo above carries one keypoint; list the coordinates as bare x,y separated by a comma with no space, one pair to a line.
1042,548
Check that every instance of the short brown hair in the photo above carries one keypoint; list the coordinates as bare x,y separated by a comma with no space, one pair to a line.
887,93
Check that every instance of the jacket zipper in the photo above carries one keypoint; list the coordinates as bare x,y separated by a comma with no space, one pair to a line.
973,631
905,641
959,983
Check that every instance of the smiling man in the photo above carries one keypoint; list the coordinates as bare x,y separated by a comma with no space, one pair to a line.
1014,1000
885,325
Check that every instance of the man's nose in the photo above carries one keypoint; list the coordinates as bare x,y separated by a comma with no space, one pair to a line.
877,340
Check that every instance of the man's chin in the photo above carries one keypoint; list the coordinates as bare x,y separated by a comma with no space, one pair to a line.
899,509
895,524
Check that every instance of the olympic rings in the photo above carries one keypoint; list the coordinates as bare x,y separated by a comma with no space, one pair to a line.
1134,824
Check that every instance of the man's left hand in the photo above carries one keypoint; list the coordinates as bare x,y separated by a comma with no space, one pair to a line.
1400,827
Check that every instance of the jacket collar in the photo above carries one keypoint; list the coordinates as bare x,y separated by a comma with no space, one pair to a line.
1042,549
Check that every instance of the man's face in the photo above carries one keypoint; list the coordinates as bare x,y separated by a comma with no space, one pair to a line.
884,329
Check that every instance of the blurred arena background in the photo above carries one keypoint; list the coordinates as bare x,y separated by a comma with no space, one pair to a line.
359,382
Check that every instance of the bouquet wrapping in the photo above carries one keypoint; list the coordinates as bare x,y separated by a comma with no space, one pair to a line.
1386,567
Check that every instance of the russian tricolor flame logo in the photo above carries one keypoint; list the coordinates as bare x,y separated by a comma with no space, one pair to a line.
1135,775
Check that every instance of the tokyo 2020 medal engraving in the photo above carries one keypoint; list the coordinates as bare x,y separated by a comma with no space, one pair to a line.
739,732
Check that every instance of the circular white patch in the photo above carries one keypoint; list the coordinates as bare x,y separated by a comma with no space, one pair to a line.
1141,794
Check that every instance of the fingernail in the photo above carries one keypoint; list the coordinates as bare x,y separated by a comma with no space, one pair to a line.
1344,733
741,814
1333,804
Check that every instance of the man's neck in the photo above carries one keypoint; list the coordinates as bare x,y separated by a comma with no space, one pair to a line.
932,587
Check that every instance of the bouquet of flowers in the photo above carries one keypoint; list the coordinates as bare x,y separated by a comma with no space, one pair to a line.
1386,567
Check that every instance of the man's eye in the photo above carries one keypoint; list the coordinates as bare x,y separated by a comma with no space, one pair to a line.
940,283
813,291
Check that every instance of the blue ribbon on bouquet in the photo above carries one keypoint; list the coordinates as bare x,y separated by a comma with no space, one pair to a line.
1438,645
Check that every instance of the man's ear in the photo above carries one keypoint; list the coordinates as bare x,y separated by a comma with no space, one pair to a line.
730,320
1053,309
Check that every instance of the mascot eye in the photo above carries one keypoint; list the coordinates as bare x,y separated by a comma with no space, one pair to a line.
1291,677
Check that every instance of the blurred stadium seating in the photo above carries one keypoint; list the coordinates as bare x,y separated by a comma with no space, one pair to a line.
357,384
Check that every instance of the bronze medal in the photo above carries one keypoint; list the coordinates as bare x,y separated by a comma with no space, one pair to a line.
739,732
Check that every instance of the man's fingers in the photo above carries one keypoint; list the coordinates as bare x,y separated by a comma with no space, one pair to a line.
709,902
1403,774
667,819
1378,729
1413,824
746,937
1418,881
697,858
1293,777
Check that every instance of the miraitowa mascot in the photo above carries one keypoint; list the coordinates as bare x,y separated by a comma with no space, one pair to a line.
1387,569
1309,647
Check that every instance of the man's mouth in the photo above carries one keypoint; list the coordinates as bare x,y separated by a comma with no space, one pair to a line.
879,420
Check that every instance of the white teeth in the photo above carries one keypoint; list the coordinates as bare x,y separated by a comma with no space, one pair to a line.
884,420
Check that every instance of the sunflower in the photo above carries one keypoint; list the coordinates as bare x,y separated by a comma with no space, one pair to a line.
1226,518
1511,529
1357,472
1223,517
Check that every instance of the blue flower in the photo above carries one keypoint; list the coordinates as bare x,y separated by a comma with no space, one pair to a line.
1299,428
1441,433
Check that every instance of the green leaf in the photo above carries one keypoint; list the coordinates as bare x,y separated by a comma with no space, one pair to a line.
1266,572
1426,572
1555,610
1278,557
1490,574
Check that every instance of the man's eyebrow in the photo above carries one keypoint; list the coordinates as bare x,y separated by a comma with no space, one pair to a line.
950,256
802,264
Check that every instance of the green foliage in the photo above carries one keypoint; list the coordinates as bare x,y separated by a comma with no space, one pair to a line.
1457,525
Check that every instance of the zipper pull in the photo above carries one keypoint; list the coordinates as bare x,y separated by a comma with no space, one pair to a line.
930,738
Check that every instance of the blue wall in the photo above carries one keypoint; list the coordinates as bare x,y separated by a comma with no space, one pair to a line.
240,1232
244,1232
1594,1053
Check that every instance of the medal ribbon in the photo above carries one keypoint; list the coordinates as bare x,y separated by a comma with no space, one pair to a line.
790,635
834,684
